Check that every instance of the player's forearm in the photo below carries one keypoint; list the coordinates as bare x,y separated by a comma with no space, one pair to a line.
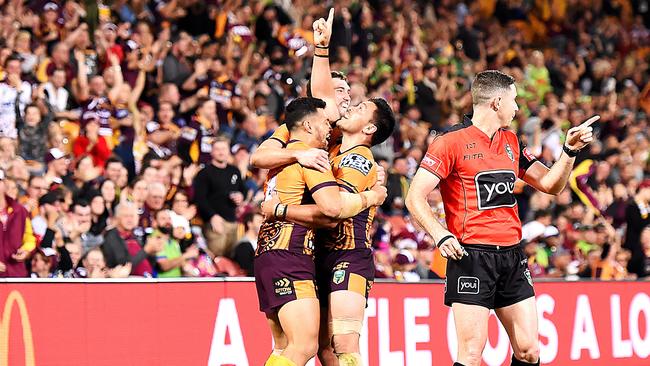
273,157
322,84
310,216
422,213
557,177
353,203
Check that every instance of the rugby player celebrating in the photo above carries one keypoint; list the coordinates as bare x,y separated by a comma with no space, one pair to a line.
345,267
284,265
476,164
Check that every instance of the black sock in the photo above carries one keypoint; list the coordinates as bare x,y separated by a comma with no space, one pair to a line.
516,362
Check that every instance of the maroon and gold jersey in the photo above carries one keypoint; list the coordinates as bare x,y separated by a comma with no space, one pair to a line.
294,185
477,179
355,171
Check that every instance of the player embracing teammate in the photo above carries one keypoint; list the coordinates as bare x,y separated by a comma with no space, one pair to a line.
343,267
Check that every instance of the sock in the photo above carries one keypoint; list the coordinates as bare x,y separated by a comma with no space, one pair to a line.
281,361
516,362
349,359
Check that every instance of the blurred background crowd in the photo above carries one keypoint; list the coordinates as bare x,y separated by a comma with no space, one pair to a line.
126,126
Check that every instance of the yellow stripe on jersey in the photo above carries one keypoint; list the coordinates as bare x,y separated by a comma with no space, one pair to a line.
355,171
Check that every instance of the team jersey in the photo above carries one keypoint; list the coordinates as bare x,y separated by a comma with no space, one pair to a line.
355,171
294,185
477,178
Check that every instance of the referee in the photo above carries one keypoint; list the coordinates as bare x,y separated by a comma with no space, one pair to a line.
476,164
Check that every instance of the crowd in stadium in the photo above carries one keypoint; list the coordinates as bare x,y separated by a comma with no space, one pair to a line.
126,127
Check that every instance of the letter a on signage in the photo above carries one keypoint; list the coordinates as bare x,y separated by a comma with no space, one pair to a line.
220,352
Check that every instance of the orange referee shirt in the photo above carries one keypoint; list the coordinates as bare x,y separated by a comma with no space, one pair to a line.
477,179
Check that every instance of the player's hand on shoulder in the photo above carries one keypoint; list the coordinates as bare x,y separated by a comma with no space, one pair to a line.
449,247
314,158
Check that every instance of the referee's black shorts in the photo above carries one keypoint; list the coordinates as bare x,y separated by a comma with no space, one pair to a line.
490,276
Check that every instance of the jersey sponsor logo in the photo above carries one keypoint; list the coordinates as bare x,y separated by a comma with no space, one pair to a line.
528,154
473,156
495,189
509,152
468,285
282,286
431,162
358,162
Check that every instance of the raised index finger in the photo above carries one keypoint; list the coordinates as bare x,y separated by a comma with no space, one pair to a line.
330,18
590,121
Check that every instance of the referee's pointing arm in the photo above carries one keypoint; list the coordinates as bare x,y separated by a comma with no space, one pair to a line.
553,181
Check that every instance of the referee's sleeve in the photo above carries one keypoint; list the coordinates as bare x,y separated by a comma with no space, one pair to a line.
526,159
439,158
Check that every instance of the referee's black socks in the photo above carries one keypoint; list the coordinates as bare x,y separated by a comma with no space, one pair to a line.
516,362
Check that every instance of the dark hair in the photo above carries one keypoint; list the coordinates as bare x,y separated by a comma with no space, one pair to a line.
82,202
300,108
113,159
12,57
383,119
488,83
248,218
334,74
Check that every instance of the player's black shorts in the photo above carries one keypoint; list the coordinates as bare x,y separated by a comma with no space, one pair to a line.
337,270
490,276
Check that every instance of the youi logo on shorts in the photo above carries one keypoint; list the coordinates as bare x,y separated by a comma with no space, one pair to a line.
495,188
468,285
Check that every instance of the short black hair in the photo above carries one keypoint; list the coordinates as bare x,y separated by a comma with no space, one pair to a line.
81,202
383,119
113,159
300,108
335,75
487,84
12,57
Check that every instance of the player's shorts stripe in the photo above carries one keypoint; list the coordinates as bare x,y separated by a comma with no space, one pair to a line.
305,289
322,185
357,284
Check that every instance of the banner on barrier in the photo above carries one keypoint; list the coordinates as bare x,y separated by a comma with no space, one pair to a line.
218,324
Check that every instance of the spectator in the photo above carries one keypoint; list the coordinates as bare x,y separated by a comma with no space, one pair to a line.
121,246
56,172
170,259
91,143
244,250
16,237
397,184
32,131
219,190
637,218
16,95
